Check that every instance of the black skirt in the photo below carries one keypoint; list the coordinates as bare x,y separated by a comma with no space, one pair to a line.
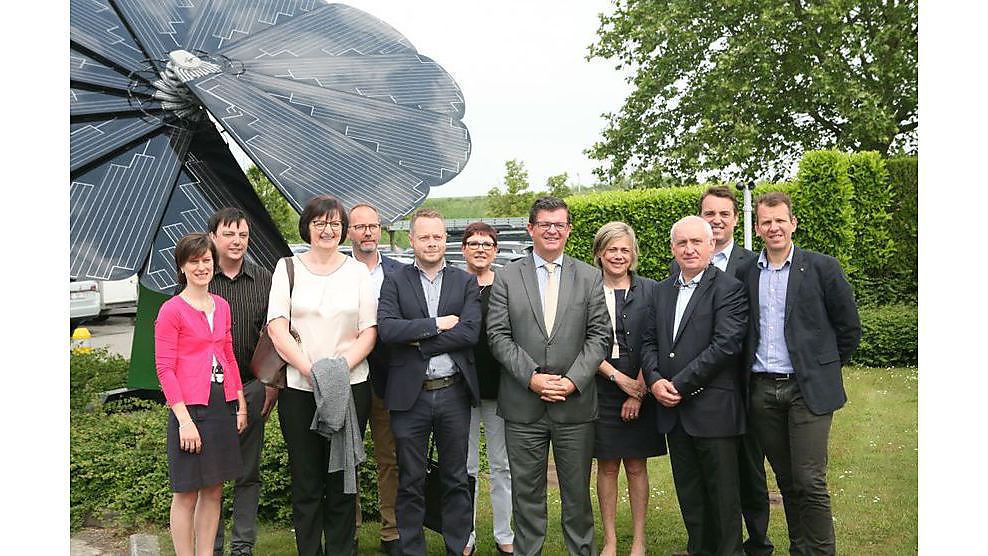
219,459
616,439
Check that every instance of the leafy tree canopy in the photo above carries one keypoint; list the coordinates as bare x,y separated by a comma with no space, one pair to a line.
741,88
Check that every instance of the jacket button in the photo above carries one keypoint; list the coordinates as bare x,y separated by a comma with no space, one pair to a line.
672,355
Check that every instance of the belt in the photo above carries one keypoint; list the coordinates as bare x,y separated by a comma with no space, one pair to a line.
773,376
438,383
216,375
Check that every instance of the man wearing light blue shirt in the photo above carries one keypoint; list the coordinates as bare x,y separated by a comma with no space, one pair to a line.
804,326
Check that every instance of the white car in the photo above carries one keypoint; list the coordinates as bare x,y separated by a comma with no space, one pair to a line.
85,301
118,296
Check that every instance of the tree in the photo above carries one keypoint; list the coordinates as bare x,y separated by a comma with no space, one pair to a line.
556,186
516,200
274,202
741,89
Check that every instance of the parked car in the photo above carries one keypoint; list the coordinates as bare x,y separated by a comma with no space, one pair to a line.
118,296
84,302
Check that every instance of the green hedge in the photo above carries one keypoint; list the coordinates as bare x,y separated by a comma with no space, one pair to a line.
850,206
890,337
651,212
118,462
904,178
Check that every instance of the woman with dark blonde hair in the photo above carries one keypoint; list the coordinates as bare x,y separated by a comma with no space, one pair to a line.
193,356
626,428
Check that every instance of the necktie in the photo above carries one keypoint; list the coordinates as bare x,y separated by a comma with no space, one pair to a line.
551,295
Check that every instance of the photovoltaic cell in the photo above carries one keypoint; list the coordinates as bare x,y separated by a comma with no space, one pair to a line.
303,157
90,140
115,208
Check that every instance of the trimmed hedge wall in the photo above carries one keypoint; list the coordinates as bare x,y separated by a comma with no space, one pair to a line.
904,176
845,206
890,337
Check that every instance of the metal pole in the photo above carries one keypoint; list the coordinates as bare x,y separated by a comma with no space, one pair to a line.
746,189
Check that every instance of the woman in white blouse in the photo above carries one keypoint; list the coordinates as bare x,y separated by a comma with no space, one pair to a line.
333,309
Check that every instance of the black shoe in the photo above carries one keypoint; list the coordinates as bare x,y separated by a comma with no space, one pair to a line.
499,551
389,547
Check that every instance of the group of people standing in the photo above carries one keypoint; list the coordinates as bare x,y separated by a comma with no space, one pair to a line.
734,357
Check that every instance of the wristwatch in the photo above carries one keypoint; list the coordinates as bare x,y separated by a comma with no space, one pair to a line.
613,376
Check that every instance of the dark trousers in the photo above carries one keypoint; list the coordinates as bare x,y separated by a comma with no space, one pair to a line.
528,458
320,509
795,442
754,495
444,413
705,472
247,489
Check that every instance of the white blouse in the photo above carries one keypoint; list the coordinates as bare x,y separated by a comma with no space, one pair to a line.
327,311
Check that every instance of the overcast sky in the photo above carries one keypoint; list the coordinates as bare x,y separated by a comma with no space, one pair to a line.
529,92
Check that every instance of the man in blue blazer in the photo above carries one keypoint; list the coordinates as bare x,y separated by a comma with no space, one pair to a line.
365,235
804,326
719,207
429,317
691,359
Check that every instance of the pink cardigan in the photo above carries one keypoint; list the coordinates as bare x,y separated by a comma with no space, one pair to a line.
183,349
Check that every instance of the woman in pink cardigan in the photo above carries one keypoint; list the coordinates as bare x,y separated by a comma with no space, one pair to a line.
193,354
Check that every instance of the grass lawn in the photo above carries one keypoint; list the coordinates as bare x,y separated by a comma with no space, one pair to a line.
873,483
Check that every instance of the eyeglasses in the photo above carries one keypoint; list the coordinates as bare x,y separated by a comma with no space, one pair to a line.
544,226
485,245
361,228
321,224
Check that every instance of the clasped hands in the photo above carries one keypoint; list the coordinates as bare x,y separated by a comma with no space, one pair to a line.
551,388
666,393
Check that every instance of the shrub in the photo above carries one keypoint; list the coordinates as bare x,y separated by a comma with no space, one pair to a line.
118,463
873,245
651,212
904,275
822,204
94,372
889,337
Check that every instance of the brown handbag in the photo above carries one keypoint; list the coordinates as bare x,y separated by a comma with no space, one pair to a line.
266,364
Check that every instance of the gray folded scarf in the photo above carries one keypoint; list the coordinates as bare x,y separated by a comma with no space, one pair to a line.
336,419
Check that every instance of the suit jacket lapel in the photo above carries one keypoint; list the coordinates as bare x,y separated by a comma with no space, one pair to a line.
702,290
415,283
795,280
444,293
667,319
531,283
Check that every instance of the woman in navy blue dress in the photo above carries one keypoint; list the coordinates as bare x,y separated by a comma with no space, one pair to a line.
625,430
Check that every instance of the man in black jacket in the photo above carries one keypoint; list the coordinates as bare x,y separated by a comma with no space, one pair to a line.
719,207
429,317
804,326
691,360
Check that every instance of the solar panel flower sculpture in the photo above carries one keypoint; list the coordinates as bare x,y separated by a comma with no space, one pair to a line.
323,98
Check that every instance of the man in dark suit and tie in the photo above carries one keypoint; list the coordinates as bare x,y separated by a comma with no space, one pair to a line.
548,325
365,235
429,317
691,357
804,326
719,207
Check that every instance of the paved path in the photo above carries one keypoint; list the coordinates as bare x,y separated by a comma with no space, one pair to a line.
116,333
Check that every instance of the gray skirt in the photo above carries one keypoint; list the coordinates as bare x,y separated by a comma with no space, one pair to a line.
219,459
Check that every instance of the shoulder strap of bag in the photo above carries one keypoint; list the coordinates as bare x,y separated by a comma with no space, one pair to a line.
290,269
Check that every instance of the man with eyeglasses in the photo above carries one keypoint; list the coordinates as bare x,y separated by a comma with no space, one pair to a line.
548,326
364,234
429,318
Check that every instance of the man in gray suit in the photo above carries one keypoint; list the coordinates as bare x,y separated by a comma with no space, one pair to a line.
548,326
